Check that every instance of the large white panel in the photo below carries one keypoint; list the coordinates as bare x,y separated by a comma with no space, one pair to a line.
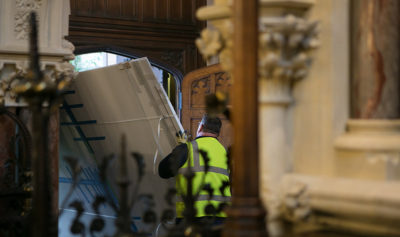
126,99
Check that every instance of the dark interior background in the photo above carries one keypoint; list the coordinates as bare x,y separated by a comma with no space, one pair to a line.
162,30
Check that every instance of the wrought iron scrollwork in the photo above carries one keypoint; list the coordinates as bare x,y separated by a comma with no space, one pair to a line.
189,227
16,186
124,206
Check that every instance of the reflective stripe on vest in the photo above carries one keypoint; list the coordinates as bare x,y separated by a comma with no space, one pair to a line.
194,164
205,197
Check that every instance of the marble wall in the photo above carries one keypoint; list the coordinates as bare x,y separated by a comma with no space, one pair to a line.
375,55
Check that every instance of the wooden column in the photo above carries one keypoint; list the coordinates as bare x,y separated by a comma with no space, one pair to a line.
246,215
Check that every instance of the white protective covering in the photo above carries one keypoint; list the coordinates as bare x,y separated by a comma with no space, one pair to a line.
122,99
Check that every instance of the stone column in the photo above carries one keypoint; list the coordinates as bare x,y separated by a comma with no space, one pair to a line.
372,141
55,52
286,39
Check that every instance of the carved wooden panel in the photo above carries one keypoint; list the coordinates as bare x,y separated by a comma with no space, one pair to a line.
195,86
222,82
176,11
162,30
105,8
198,90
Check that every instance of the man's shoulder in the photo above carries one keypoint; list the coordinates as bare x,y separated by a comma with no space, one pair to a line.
210,140
181,146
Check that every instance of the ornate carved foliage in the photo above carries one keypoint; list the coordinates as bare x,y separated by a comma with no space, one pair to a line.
222,82
174,58
213,83
295,203
23,9
284,47
199,89
18,70
13,71
210,43
218,41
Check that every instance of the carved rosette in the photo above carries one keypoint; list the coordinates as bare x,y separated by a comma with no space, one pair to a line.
174,58
23,9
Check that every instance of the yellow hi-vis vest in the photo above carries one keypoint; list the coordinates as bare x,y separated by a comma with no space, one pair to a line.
216,175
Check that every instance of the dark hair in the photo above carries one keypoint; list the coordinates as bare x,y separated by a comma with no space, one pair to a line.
211,124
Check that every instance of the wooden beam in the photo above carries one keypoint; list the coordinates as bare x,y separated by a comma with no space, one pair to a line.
246,215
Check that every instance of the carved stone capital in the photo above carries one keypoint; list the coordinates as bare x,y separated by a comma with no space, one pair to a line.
286,41
285,45
14,70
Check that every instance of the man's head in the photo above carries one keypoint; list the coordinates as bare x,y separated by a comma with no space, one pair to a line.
209,126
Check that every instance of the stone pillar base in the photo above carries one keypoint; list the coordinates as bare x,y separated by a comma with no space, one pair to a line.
360,207
370,149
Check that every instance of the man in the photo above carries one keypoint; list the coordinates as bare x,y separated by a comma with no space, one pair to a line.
186,155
